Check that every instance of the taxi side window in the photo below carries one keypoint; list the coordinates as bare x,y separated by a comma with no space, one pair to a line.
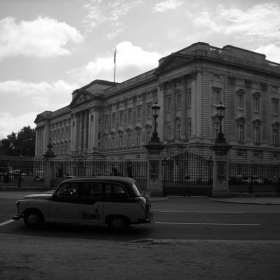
68,190
115,191
91,189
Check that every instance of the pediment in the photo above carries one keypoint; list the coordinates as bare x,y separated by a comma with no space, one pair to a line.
172,61
81,97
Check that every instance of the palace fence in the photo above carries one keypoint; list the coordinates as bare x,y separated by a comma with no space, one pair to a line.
185,174
254,177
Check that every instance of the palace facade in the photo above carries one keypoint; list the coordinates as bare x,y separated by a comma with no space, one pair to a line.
107,119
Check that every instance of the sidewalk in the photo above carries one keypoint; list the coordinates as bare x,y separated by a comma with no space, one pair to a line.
250,200
45,258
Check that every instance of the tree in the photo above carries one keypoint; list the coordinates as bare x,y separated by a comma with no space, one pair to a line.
21,143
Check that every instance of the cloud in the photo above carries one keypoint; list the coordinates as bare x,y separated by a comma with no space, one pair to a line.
43,37
260,23
131,61
37,96
167,5
100,12
271,51
22,101
10,123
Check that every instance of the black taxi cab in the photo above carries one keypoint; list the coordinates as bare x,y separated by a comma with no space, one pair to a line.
109,200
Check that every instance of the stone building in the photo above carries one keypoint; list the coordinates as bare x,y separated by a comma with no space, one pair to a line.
115,119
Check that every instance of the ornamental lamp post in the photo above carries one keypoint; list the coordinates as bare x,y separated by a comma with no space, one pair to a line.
155,112
221,114
154,149
219,186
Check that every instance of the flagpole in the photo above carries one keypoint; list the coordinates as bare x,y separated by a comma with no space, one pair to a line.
115,64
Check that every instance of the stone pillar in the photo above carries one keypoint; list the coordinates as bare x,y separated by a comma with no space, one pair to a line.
80,134
184,107
36,142
85,132
173,109
220,171
154,174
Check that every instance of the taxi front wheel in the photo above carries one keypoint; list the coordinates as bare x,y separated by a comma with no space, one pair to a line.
33,219
118,223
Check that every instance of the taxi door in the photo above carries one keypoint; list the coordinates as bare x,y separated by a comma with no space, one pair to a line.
91,203
64,204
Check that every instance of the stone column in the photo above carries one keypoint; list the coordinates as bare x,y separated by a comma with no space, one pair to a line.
184,107
81,132
154,168
173,109
85,132
220,172
36,142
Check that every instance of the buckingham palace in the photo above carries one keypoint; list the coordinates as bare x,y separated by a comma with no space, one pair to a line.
110,120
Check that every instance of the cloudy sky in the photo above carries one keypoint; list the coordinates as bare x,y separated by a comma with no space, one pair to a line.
48,48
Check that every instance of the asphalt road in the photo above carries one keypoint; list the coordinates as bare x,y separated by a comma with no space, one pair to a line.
175,218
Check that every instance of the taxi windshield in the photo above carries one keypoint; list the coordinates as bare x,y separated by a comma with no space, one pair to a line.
137,189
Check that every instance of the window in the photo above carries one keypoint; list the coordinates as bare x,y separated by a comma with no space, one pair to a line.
189,127
216,96
115,191
149,110
240,101
275,137
113,119
257,134
138,138
99,121
256,104
169,104
99,135
179,101
106,144
68,190
113,142
275,106
91,189
129,115
106,121
121,142
178,129
168,131
189,98
129,140
121,118
240,132
139,113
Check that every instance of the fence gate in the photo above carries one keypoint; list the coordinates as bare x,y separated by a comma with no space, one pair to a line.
187,174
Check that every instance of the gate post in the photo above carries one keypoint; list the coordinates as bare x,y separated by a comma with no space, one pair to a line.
154,168
49,166
154,148
221,148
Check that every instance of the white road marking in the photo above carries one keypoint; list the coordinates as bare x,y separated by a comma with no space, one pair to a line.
7,222
200,212
211,224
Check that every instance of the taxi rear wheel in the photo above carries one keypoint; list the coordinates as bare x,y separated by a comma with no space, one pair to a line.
33,219
118,223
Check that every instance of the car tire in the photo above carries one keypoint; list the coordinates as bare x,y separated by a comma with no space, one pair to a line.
33,219
118,223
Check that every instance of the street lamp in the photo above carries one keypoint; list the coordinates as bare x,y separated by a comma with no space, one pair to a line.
221,114
155,112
